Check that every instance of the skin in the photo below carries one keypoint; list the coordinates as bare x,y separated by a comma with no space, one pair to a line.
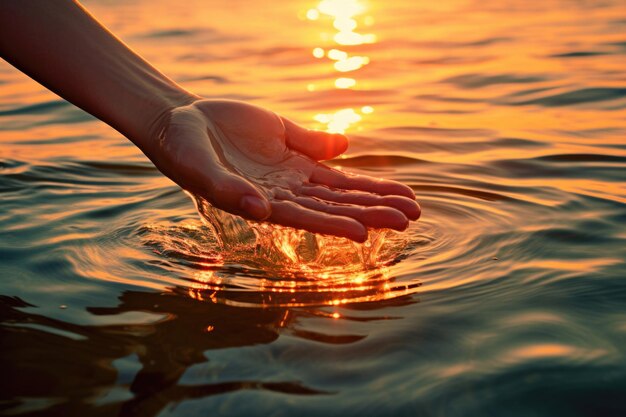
241,158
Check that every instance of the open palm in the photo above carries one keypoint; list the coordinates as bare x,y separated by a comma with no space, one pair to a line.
251,162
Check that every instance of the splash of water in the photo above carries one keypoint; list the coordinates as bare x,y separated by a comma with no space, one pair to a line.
272,247
237,262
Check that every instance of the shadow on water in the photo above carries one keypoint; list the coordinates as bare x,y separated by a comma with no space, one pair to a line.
86,373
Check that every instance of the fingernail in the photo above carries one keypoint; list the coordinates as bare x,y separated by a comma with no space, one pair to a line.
257,208
362,236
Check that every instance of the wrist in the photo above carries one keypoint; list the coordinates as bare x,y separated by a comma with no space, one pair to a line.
148,112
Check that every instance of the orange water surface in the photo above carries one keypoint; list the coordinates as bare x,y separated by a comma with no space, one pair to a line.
507,298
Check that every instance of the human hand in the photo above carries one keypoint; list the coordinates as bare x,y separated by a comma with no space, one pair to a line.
251,162
242,159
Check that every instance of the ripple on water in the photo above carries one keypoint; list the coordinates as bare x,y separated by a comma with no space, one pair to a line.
512,141
233,261
242,263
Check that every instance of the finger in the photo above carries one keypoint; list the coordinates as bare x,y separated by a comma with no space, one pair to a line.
378,217
338,179
287,213
315,144
234,194
410,208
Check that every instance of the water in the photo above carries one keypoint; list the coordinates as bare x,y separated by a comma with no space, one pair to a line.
507,298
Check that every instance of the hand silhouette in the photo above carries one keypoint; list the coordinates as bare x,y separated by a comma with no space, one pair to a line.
251,162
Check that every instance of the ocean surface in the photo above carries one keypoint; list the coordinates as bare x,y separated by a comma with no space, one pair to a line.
507,298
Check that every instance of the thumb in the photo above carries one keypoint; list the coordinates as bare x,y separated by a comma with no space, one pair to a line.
315,144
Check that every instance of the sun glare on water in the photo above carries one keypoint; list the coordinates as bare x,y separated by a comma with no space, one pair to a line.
345,16
343,13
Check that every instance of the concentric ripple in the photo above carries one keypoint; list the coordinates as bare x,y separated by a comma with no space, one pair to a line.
227,259
244,263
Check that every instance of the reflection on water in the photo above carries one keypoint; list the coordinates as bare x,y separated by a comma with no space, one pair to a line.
343,14
147,360
506,299
271,265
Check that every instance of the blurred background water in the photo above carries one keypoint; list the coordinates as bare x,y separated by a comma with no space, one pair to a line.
508,298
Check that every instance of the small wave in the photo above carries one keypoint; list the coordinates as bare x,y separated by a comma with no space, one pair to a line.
437,131
168,33
602,167
38,108
448,99
619,44
370,161
583,157
446,45
571,236
60,140
597,133
453,60
215,78
43,114
9,165
418,147
197,35
123,169
580,54
580,96
482,195
470,81
531,91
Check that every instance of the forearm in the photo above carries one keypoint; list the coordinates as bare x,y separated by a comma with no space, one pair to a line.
63,47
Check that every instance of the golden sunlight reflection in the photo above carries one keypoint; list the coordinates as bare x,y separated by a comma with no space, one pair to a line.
344,15
352,63
339,121
335,287
318,53
345,82
542,351
262,265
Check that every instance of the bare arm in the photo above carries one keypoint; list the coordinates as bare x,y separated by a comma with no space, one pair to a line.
60,45
243,159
